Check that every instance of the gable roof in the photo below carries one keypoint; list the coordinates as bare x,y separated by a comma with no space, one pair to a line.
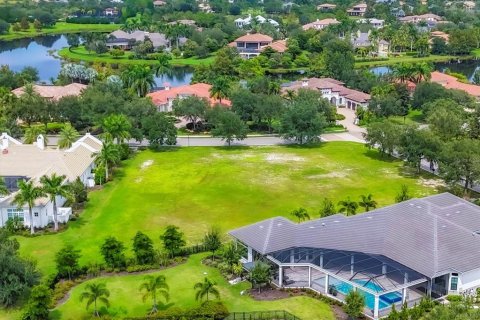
201,90
434,235
320,23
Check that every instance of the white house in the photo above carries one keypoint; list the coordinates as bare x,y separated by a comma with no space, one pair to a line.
243,22
375,23
20,161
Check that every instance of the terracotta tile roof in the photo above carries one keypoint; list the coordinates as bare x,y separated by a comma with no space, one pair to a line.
201,90
255,37
320,23
54,92
328,83
279,46
451,82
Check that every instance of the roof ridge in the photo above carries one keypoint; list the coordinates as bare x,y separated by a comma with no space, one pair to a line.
267,238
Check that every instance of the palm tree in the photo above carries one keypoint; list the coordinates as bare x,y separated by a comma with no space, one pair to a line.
117,127
301,214
421,72
402,71
403,195
154,285
109,155
94,292
139,78
220,89
26,195
164,66
205,288
367,202
31,134
348,206
3,187
290,94
53,186
68,135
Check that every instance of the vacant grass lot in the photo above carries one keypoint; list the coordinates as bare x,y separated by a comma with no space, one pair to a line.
195,188
125,298
81,54
60,27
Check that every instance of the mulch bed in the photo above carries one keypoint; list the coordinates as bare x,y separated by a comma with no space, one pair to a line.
339,313
268,294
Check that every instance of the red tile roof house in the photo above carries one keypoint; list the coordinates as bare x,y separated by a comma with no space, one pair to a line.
451,82
320,24
332,90
251,45
358,10
163,99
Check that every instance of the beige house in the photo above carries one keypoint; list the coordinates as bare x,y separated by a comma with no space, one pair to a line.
54,92
326,7
320,24
19,161
358,10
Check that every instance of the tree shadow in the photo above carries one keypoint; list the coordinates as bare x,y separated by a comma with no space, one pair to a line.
233,148
377,155
161,149
315,145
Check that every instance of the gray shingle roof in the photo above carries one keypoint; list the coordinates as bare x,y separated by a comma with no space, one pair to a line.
433,235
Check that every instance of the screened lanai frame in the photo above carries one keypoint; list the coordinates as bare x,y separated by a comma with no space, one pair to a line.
373,273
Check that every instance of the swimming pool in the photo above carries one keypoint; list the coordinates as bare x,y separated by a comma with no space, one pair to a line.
385,300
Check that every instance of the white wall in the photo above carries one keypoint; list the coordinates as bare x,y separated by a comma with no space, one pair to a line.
468,280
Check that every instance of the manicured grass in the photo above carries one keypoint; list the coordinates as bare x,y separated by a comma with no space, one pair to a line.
407,59
81,54
60,27
195,188
413,117
125,298
10,314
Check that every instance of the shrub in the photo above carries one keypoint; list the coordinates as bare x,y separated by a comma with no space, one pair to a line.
61,289
454,298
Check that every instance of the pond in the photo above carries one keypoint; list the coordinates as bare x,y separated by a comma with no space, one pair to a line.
466,67
39,53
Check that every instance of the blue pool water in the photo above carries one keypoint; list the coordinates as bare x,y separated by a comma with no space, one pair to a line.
385,300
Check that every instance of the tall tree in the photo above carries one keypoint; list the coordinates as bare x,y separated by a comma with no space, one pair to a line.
206,289
302,123
382,135
113,252
95,292
67,261
220,89
354,303
159,129
172,239
193,108
164,66
109,155
143,248
229,127
403,195
117,127
139,78
68,135
367,202
153,287
260,274
301,214
27,194
54,186
327,209
39,301
213,240
348,206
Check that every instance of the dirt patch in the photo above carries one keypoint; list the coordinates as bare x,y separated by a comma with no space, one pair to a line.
434,183
339,313
335,174
138,180
282,158
146,164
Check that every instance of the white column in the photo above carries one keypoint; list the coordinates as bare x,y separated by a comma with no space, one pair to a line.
250,254
352,263
280,276
384,268
326,283
375,307
309,277
404,295
429,288
292,256
321,260
405,278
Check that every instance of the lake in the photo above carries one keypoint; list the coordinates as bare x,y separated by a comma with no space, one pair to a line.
37,53
466,67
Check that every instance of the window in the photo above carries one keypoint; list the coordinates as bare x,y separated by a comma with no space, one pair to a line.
453,283
15,212
36,214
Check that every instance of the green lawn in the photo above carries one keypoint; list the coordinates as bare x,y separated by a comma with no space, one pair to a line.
125,298
60,27
407,59
81,54
413,117
195,188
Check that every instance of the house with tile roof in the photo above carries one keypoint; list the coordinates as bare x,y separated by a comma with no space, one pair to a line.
393,256
163,99
19,161
320,24
358,10
333,90
374,22
251,45
450,82
54,93
326,7
126,40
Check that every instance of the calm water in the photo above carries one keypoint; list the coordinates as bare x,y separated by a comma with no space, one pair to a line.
467,67
37,53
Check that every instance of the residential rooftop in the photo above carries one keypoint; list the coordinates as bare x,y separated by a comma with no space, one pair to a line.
201,90
54,92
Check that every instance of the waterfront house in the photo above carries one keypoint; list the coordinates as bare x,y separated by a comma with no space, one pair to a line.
52,92
320,24
395,255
